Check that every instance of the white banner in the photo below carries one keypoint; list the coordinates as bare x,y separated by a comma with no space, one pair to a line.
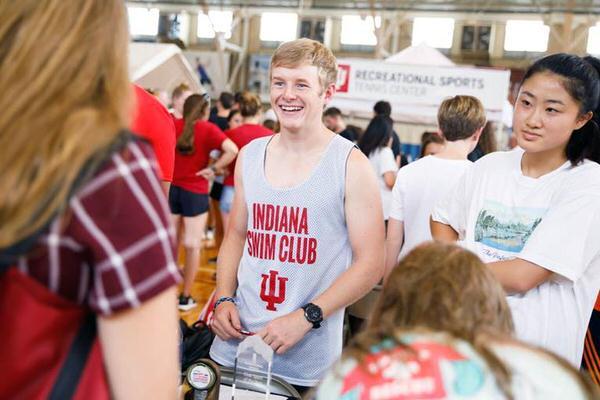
412,85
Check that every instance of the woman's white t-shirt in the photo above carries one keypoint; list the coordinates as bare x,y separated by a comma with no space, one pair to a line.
382,160
552,221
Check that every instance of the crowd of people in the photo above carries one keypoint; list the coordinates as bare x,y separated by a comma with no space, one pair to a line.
101,185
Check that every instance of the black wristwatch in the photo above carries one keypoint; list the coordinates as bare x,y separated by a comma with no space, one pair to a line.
313,314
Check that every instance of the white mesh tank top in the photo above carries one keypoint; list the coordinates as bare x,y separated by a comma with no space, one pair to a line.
296,246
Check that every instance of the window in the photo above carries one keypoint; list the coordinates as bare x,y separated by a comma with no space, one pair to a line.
278,27
221,21
143,21
593,43
434,32
357,30
526,36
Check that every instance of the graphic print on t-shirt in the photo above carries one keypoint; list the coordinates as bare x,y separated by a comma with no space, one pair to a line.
506,228
279,233
429,370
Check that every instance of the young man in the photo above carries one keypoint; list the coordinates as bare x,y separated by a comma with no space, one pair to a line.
332,117
178,97
305,237
421,184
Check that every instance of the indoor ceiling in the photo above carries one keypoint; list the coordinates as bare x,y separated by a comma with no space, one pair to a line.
589,7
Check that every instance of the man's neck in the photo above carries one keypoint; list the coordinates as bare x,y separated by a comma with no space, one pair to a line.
457,150
341,127
304,140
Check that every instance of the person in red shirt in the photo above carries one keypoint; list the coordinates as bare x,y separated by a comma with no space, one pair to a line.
153,122
188,196
250,107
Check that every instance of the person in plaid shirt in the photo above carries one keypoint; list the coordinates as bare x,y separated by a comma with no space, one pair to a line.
107,244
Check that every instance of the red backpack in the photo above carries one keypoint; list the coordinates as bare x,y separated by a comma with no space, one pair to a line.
50,348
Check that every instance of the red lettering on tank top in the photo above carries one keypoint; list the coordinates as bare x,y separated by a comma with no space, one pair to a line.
294,211
259,216
303,227
283,252
312,251
283,223
269,217
270,241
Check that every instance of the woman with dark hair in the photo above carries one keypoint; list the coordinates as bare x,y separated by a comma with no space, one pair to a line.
375,143
188,196
533,214
442,329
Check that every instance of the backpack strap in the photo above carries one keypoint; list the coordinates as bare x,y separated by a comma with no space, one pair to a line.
70,373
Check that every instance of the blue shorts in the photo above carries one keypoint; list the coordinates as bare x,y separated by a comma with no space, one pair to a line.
226,198
186,203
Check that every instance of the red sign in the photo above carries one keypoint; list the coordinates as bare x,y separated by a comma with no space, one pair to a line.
343,78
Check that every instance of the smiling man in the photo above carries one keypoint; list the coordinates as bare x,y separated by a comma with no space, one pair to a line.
306,235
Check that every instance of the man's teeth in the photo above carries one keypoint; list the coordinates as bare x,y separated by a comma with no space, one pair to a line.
291,108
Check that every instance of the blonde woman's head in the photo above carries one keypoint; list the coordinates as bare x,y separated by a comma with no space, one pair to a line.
65,95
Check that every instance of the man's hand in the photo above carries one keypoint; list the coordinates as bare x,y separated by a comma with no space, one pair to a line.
284,332
226,322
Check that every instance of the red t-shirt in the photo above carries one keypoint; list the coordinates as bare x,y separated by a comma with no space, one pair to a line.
241,136
152,121
207,137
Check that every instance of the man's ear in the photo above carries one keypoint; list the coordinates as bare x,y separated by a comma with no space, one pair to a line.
328,93
477,134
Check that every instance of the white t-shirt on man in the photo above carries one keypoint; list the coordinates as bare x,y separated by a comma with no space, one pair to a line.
382,160
418,188
552,221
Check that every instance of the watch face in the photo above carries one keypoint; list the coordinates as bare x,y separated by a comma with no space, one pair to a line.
313,313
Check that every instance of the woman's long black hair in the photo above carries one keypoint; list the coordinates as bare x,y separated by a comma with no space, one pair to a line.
581,77
378,133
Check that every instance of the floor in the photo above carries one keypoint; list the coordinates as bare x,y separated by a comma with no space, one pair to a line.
204,284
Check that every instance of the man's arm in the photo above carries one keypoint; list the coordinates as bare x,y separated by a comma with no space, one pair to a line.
226,322
442,232
518,275
364,219
393,244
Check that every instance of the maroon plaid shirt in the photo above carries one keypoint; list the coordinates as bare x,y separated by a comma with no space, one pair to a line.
113,249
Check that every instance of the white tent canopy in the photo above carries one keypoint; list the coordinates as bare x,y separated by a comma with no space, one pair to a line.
161,66
420,55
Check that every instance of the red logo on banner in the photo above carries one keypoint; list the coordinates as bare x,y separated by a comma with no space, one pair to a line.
272,297
343,78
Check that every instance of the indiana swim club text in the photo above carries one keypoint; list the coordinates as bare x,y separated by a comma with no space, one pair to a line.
281,233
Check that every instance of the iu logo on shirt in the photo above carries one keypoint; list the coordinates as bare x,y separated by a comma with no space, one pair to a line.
276,289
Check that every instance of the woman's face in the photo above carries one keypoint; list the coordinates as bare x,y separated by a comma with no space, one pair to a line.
235,121
432,148
545,115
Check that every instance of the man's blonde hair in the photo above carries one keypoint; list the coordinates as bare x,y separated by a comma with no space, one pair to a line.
460,116
307,51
